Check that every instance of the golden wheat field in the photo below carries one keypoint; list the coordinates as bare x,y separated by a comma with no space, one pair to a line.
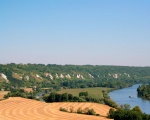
16,108
2,93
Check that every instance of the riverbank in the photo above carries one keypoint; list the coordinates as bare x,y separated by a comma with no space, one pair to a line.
144,91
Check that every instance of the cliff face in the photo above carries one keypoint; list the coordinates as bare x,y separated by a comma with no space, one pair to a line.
3,77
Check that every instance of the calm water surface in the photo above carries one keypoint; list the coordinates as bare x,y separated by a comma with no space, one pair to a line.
122,97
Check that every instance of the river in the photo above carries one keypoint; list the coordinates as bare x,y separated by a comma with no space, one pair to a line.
121,96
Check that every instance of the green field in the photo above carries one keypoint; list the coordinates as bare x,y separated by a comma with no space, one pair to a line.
95,92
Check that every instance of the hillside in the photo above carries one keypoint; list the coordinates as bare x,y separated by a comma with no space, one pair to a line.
25,109
71,76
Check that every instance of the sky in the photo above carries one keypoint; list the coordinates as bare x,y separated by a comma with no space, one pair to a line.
78,32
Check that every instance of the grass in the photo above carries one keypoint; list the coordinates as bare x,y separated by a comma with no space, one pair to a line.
28,89
17,76
95,92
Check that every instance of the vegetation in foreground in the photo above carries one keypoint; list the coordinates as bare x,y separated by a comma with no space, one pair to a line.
86,111
144,91
126,114
20,93
83,97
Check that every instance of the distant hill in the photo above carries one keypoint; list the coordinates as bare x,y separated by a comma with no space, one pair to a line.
71,76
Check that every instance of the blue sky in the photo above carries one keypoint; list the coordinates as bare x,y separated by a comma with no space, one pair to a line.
96,32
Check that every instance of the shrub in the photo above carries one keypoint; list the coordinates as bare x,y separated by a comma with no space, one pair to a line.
97,114
83,94
79,110
63,109
71,109
111,113
91,112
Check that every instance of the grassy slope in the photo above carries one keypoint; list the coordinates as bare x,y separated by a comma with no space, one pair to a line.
93,92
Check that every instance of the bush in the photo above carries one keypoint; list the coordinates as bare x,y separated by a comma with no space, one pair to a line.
97,114
83,94
111,113
71,109
79,111
110,103
63,109
89,111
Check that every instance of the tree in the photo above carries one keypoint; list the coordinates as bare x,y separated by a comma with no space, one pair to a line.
118,115
125,106
51,97
137,108
126,114
64,97
70,97
57,97
111,113
83,94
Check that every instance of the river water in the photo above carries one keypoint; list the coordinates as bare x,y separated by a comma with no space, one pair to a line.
121,96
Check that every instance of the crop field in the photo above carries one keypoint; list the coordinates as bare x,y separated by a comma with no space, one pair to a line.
16,108
95,92
2,93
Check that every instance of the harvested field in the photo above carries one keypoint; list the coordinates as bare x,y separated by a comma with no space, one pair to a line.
2,93
17,108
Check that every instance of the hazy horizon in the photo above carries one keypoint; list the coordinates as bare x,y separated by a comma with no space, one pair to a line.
77,32
72,64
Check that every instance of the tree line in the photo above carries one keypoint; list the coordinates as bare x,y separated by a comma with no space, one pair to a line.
83,97
128,114
144,91
20,93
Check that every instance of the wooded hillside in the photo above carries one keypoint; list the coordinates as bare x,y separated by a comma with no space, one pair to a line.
71,76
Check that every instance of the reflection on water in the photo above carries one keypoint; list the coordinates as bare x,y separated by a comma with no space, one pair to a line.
122,97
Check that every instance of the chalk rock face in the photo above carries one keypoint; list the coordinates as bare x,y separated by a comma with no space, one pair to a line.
49,74
68,76
90,76
109,74
57,75
61,76
38,76
3,76
127,74
80,76
115,76
27,77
